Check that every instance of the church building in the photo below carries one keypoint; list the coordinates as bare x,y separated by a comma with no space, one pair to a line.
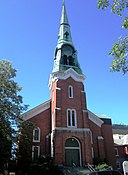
65,129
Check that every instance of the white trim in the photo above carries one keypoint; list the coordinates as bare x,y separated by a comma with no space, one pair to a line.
70,91
95,119
57,88
64,75
52,120
52,145
72,148
71,118
78,148
37,128
58,108
53,95
33,151
35,111
72,129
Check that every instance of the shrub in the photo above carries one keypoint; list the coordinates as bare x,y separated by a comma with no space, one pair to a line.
44,166
102,166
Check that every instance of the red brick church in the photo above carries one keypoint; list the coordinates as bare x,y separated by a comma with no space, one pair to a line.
66,129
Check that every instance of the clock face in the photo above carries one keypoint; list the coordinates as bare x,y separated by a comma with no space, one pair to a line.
67,50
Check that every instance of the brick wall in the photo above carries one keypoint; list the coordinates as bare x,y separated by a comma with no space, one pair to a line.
60,104
85,145
109,143
63,102
43,121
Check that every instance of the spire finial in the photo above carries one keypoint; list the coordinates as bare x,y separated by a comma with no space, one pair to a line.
63,2
64,18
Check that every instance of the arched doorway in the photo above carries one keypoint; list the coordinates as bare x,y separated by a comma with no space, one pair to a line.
72,152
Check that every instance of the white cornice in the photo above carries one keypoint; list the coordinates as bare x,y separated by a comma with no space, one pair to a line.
95,119
35,111
72,129
64,75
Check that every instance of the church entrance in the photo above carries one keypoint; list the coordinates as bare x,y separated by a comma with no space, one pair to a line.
72,152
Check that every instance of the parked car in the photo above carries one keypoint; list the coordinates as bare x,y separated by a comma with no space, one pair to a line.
106,172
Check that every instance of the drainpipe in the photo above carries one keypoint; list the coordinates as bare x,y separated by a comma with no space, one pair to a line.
47,144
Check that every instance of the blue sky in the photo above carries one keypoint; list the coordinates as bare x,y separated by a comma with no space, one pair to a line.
28,37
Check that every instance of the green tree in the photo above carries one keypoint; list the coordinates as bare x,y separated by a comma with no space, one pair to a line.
120,48
44,165
24,152
11,107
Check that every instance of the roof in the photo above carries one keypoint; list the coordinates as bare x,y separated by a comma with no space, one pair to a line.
120,134
120,129
37,110
120,139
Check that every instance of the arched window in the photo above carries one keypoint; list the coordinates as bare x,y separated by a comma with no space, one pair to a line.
36,135
71,142
71,118
71,61
65,60
35,152
72,152
70,91
116,152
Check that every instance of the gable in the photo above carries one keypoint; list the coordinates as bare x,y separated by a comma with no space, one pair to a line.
37,110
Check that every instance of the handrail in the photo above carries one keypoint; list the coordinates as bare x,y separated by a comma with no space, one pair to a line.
90,167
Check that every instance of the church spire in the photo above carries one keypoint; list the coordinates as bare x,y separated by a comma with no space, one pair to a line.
64,18
64,30
65,53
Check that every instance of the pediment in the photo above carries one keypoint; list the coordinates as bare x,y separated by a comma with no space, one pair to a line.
65,75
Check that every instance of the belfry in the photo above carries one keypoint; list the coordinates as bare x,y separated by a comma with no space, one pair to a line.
66,130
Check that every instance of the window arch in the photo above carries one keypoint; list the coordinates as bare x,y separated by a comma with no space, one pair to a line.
70,91
71,61
65,60
36,134
71,118
35,152
72,152
71,142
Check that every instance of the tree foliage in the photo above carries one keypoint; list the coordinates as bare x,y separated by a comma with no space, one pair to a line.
120,49
11,107
44,165
103,166
5,148
24,152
